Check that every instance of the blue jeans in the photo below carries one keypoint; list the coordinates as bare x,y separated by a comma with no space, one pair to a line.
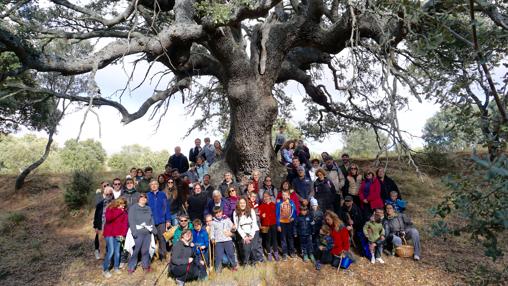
224,248
306,245
113,249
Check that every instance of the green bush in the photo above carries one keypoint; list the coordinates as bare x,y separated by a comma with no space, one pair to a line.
79,189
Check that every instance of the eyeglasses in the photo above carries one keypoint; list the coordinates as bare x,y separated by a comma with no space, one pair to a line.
183,220
105,185
129,183
170,182
117,184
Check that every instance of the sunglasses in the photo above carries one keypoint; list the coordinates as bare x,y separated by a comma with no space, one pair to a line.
105,185
183,220
117,184
170,182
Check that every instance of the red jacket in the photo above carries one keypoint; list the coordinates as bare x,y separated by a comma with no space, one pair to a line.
294,197
117,222
269,211
340,241
374,196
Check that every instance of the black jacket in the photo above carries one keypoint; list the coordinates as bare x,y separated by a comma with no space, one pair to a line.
193,154
388,185
197,204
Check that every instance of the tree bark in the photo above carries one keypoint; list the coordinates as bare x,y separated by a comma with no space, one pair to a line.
253,111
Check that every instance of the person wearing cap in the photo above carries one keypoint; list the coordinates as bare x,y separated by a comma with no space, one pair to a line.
302,185
293,169
352,216
317,220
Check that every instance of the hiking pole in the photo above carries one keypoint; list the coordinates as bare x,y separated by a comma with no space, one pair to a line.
155,283
186,273
204,261
340,262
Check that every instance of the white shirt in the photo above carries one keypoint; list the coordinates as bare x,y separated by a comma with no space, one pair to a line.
246,225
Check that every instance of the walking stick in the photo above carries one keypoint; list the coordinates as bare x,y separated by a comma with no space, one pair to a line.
340,262
155,283
186,273
204,261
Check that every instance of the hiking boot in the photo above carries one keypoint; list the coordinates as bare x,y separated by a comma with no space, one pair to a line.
106,274
312,259
305,258
117,271
318,266
416,258
276,255
372,259
269,256
97,254
380,260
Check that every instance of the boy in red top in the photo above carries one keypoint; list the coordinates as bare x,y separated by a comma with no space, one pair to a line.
268,226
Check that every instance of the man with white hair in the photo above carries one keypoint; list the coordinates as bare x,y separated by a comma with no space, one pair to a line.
216,201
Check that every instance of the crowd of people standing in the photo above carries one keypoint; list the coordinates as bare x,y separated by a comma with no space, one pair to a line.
319,211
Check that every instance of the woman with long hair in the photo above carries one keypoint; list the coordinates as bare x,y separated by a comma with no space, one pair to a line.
324,190
353,181
370,195
247,226
219,153
340,235
287,152
115,230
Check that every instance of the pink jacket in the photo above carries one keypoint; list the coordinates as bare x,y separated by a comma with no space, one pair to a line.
374,196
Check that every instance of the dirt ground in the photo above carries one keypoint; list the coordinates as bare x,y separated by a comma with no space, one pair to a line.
42,243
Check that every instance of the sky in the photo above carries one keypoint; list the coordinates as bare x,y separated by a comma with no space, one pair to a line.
113,134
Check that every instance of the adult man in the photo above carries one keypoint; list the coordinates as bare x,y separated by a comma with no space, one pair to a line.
158,203
303,153
130,194
351,214
197,203
303,186
99,217
292,170
179,161
144,184
216,201
268,188
227,183
193,152
334,173
117,188
280,138
183,223
344,167
208,152
167,172
207,188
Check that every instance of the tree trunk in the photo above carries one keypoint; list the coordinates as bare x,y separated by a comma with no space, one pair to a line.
253,113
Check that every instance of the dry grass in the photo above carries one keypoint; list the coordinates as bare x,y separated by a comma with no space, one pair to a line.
42,243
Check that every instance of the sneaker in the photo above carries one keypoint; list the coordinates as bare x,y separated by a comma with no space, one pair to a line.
284,257
380,260
305,258
130,271
106,274
312,259
179,282
372,260
416,258
97,254
148,270
122,265
234,269
318,266
117,271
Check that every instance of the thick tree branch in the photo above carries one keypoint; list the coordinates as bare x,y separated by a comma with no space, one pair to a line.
124,15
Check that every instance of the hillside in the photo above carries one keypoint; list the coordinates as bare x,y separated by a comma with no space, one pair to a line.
43,243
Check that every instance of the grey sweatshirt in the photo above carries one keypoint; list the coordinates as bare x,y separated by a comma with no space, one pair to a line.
139,215
219,226
181,253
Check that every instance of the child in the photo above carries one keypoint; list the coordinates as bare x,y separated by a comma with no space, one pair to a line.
375,233
221,234
285,214
200,240
325,244
317,220
268,226
304,229
398,204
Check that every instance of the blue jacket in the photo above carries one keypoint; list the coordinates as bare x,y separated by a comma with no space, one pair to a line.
304,225
277,211
200,239
158,203
211,204
398,205
302,187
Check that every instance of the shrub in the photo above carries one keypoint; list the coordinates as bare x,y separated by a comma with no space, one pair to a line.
79,189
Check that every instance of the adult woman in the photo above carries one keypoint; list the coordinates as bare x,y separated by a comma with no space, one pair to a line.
398,226
115,230
142,227
324,190
370,195
162,182
353,181
247,226
287,152
139,175
231,200
387,184
171,194
179,203
99,216
340,235
183,267
197,203
218,150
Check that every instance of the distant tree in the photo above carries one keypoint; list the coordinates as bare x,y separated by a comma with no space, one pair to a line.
16,153
83,155
138,156
449,130
363,143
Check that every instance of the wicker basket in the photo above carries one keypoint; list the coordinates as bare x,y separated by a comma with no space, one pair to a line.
405,250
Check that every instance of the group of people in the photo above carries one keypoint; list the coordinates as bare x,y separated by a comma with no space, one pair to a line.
320,210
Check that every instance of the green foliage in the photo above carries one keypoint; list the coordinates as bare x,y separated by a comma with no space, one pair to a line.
12,220
16,153
291,131
85,155
480,197
361,143
138,156
220,12
79,189
452,129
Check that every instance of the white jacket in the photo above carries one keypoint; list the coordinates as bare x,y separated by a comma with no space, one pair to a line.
246,225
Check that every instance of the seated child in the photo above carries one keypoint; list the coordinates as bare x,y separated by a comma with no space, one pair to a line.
325,244
200,240
375,234
398,204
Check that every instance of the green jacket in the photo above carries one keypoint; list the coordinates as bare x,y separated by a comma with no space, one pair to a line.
143,186
178,232
376,230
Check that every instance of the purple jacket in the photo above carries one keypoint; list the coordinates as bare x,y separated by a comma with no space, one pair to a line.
230,206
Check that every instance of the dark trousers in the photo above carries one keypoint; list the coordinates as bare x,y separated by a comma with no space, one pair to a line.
277,148
141,245
306,245
186,272
96,242
161,228
287,238
250,250
270,239
224,248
